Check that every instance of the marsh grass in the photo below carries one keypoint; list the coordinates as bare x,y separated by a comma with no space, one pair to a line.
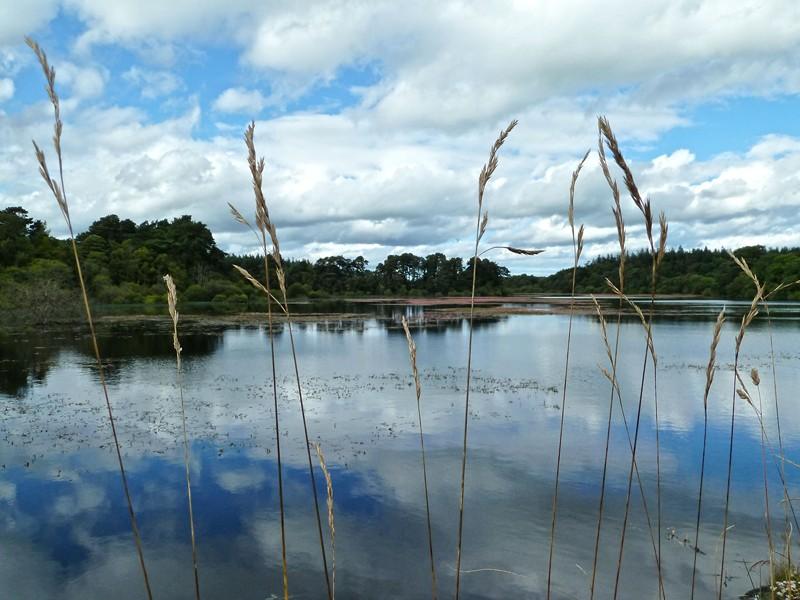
710,370
59,192
657,254
756,380
746,320
267,229
412,352
261,236
620,225
480,228
329,504
172,304
577,249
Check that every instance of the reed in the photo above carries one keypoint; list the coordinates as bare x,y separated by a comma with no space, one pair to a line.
412,352
331,523
620,225
773,371
577,249
265,225
480,228
261,236
710,370
756,379
657,254
59,192
172,304
746,320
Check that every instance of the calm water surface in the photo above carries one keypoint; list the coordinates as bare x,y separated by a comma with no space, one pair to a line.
64,528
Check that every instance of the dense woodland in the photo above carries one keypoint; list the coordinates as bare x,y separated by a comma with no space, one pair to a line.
123,263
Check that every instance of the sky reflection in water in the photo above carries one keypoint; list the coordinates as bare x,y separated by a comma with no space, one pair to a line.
64,529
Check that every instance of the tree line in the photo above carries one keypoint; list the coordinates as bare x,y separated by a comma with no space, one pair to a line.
124,261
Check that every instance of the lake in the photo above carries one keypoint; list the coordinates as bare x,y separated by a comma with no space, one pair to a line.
64,527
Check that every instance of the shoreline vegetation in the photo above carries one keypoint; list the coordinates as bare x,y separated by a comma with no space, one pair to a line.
433,310
123,264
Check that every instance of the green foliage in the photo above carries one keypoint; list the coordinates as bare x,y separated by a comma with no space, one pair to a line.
124,262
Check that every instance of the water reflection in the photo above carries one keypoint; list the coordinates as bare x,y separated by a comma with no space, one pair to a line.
64,528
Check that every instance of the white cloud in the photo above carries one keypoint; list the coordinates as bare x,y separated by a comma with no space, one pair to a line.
240,100
18,19
83,82
457,63
6,89
152,84
397,170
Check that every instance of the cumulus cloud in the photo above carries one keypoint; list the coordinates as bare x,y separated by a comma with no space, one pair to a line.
152,84
18,19
240,100
82,81
396,169
6,89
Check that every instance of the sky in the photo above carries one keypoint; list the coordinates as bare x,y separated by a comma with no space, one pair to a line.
375,118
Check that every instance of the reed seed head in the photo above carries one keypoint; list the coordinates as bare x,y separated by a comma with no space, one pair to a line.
712,356
524,251
172,303
329,501
412,352
488,169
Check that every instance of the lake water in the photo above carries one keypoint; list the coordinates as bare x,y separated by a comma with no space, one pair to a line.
64,528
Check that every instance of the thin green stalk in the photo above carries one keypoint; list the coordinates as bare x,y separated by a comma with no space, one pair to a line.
657,255
710,370
605,455
778,423
59,192
308,448
284,566
577,247
756,379
746,320
267,227
412,351
480,227
172,302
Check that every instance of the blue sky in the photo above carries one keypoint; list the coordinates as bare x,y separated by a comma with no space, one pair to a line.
375,118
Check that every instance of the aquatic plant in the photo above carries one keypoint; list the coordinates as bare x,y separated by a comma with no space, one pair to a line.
412,352
267,227
172,304
480,228
747,318
577,249
59,192
710,370
657,255
331,524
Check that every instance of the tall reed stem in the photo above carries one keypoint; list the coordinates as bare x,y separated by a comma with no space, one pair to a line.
756,379
480,227
620,224
786,499
746,320
577,248
267,227
172,303
710,370
412,351
59,192
657,255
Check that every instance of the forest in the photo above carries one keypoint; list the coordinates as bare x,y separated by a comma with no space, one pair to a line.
124,262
